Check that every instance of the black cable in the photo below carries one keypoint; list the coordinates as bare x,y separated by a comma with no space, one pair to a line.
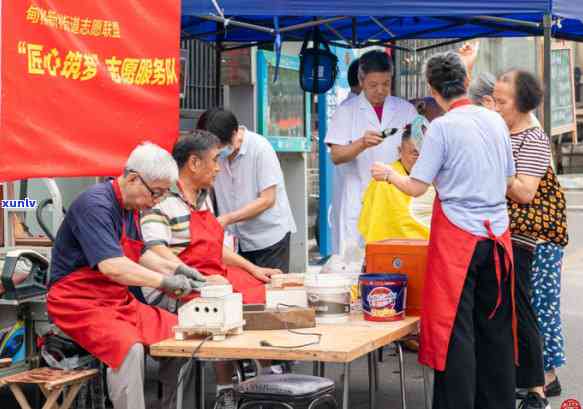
188,366
265,343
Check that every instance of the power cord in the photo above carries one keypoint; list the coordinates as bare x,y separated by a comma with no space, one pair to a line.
265,343
188,366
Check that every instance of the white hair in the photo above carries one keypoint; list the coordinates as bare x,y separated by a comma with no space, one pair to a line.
481,87
153,163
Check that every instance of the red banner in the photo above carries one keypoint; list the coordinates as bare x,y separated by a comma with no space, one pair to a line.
84,82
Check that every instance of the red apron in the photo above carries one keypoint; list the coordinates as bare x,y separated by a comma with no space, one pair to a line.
448,258
102,316
205,253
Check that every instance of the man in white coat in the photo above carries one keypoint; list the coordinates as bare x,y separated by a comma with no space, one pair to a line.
356,143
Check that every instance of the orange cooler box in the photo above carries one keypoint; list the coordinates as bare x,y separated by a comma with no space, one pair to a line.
406,256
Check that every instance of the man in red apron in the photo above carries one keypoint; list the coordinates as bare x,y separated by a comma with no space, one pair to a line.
95,260
182,228
468,329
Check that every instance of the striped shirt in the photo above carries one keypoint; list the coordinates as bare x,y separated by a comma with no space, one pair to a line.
168,223
532,152
532,156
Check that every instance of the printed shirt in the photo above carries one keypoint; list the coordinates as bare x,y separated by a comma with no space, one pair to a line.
531,150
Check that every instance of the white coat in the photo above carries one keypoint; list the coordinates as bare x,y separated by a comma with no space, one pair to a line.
351,120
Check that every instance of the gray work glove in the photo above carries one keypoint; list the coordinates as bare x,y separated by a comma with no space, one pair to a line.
179,285
189,272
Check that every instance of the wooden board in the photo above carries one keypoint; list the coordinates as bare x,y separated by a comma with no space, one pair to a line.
49,378
292,318
339,343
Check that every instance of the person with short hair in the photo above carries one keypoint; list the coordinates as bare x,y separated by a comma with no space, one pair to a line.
250,191
353,83
182,228
356,142
467,316
538,221
481,90
97,254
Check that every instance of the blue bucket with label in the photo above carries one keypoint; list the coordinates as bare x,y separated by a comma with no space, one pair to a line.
384,296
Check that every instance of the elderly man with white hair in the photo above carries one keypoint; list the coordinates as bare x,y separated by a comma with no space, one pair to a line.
96,258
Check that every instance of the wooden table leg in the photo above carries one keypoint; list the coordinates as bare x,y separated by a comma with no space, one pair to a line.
46,394
346,390
51,402
45,391
20,398
71,395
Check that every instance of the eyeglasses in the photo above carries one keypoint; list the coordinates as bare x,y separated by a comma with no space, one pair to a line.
156,194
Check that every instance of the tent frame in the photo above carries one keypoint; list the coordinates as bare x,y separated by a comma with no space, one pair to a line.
492,23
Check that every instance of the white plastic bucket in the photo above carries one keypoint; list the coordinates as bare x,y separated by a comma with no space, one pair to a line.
329,296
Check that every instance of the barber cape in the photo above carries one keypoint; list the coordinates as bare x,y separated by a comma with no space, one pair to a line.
388,213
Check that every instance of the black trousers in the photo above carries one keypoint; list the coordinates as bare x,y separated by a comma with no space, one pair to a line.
275,256
480,370
530,372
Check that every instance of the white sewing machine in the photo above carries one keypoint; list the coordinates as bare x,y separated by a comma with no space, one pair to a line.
217,312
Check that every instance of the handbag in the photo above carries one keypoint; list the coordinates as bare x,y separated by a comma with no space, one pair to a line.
545,217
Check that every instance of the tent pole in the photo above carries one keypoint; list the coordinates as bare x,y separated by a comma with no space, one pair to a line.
354,30
336,33
246,45
455,40
223,20
218,60
512,21
547,26
382,26
386,44
416,34
500,26
309,24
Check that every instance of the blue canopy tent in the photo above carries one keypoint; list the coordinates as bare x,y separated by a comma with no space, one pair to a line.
235,24
361,22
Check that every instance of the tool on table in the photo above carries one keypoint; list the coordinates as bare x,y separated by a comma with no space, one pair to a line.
218,312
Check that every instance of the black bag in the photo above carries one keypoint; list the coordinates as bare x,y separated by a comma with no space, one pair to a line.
290,391
318,66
